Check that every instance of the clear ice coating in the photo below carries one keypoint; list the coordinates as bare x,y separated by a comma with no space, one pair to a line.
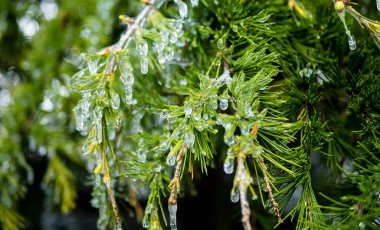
228,165
115,99
195,3
85,104
188,110
235,195
78,118
182,8
143,48
126,75
229,139
173,37
128,95
173,216
144,65
170,160
221,43
223,103
98,131
92,63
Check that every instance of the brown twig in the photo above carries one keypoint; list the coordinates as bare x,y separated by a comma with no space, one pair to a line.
269,190
175,182
244,182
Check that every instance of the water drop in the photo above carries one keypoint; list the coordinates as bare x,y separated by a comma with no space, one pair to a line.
228,165
144,65
145,222
189,138
182,8
161,58
194,3
351,42
223,103
169,53
245,127
143,48
148,209
188,110
173,37
230,152
361,225
197,115
128,95
115,99
235,195
159,46
170,160
227,125
229,139
173,216
126,75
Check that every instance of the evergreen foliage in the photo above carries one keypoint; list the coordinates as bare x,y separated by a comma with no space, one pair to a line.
269,91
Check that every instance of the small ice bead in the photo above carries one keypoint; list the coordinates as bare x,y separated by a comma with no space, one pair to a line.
144,65
235,196
189,139
182,8
194,3
228,165
161,58
170,160
229,140
173,37
159,46
188,110
98,131
145,222
169,53
115,99
143,48
223,103
173,216
352,42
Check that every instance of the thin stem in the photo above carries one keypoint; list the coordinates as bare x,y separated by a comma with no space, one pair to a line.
269,190
175,182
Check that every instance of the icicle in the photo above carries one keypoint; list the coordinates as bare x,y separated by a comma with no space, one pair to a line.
144,65
228,165
182,8
223,103
341,14
126,75
194,3
98,131
143,48
173,216
235,195
129,95
115,99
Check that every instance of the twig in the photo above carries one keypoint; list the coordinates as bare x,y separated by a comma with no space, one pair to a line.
269,190
175,182
243,184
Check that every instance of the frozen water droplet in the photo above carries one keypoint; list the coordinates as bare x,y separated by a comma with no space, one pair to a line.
228,165
78,118
86,108
352,42
98,113
47,105
257,150
361,225
230,152
143,48
173,37
223,103
194,3
197,115
145,222
170,160
188,110
169,53
128,95
92,63
245,127
115,99
173,216
229,139
189,139
144,65
182,8
221,43
227,125
235,195
126,73
159,46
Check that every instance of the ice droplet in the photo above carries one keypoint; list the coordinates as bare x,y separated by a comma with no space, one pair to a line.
126,73
86,108
188,110
169,53
235,195
194,3
145,223
351,42
92,63
144,65
189,139
229,139
223,103
170,160
245,127
98,131
228,165
361,225
118,226
143,48
257,150
128,95
115,99
159,46
173,216
173,37
182,8
78,118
